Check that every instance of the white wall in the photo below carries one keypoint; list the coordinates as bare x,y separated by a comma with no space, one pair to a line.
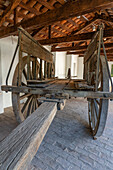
7,48
60,64
80,68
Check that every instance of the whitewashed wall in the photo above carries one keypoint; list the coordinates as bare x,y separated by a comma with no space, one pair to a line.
60,64
7,48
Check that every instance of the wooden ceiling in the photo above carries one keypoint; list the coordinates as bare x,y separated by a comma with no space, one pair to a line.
66,25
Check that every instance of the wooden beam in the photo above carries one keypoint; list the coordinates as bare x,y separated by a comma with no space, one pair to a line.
85,26
46,4
83,52
15,16
75,53
77,38
30,9
9,10
49,31
36,31
73,93
30,46
74,8
75,48
73,22
69,48
105,18
20,146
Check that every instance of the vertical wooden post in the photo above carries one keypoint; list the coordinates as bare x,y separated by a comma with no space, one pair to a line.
20,62
34,68
49,32
15,16
48,70
28,67
40,69
45,69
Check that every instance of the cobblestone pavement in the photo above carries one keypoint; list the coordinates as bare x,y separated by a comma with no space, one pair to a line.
68,144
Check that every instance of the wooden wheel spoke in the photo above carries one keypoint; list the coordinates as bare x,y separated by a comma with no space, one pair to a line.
96,108
25,74
24,96
29,108
37,102
25,104
92,114
33,106
98,101
31,75
23,84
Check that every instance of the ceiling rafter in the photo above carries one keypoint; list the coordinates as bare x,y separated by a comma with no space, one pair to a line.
75,48
9,9
46,4
77,38
31,9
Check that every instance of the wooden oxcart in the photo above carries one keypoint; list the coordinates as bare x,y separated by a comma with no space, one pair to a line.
33,79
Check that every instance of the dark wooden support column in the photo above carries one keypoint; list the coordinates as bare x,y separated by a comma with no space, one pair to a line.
34,68
40,73
49,32
48,70
45,69
28,67
20,63
72,44
15,16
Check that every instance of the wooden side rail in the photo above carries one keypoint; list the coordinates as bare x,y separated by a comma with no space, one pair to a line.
30,46
18,149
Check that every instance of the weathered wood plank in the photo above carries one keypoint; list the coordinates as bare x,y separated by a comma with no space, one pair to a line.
30,46
92,47
55,90
18,149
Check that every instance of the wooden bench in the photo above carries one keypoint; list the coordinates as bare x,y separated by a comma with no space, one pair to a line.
18,149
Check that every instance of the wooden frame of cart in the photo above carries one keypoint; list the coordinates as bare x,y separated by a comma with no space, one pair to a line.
33,84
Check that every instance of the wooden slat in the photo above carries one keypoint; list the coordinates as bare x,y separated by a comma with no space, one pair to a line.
32,47
68,10
18,149
92,47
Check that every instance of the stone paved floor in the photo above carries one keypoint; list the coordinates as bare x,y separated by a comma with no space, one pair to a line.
68,144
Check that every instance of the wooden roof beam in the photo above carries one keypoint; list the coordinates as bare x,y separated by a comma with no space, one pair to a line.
75,48
9,10
28,8
75,38
105,18
68,10
108,52
85,26
46,4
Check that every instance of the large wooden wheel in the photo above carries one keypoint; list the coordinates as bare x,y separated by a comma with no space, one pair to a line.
98,108
24,104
